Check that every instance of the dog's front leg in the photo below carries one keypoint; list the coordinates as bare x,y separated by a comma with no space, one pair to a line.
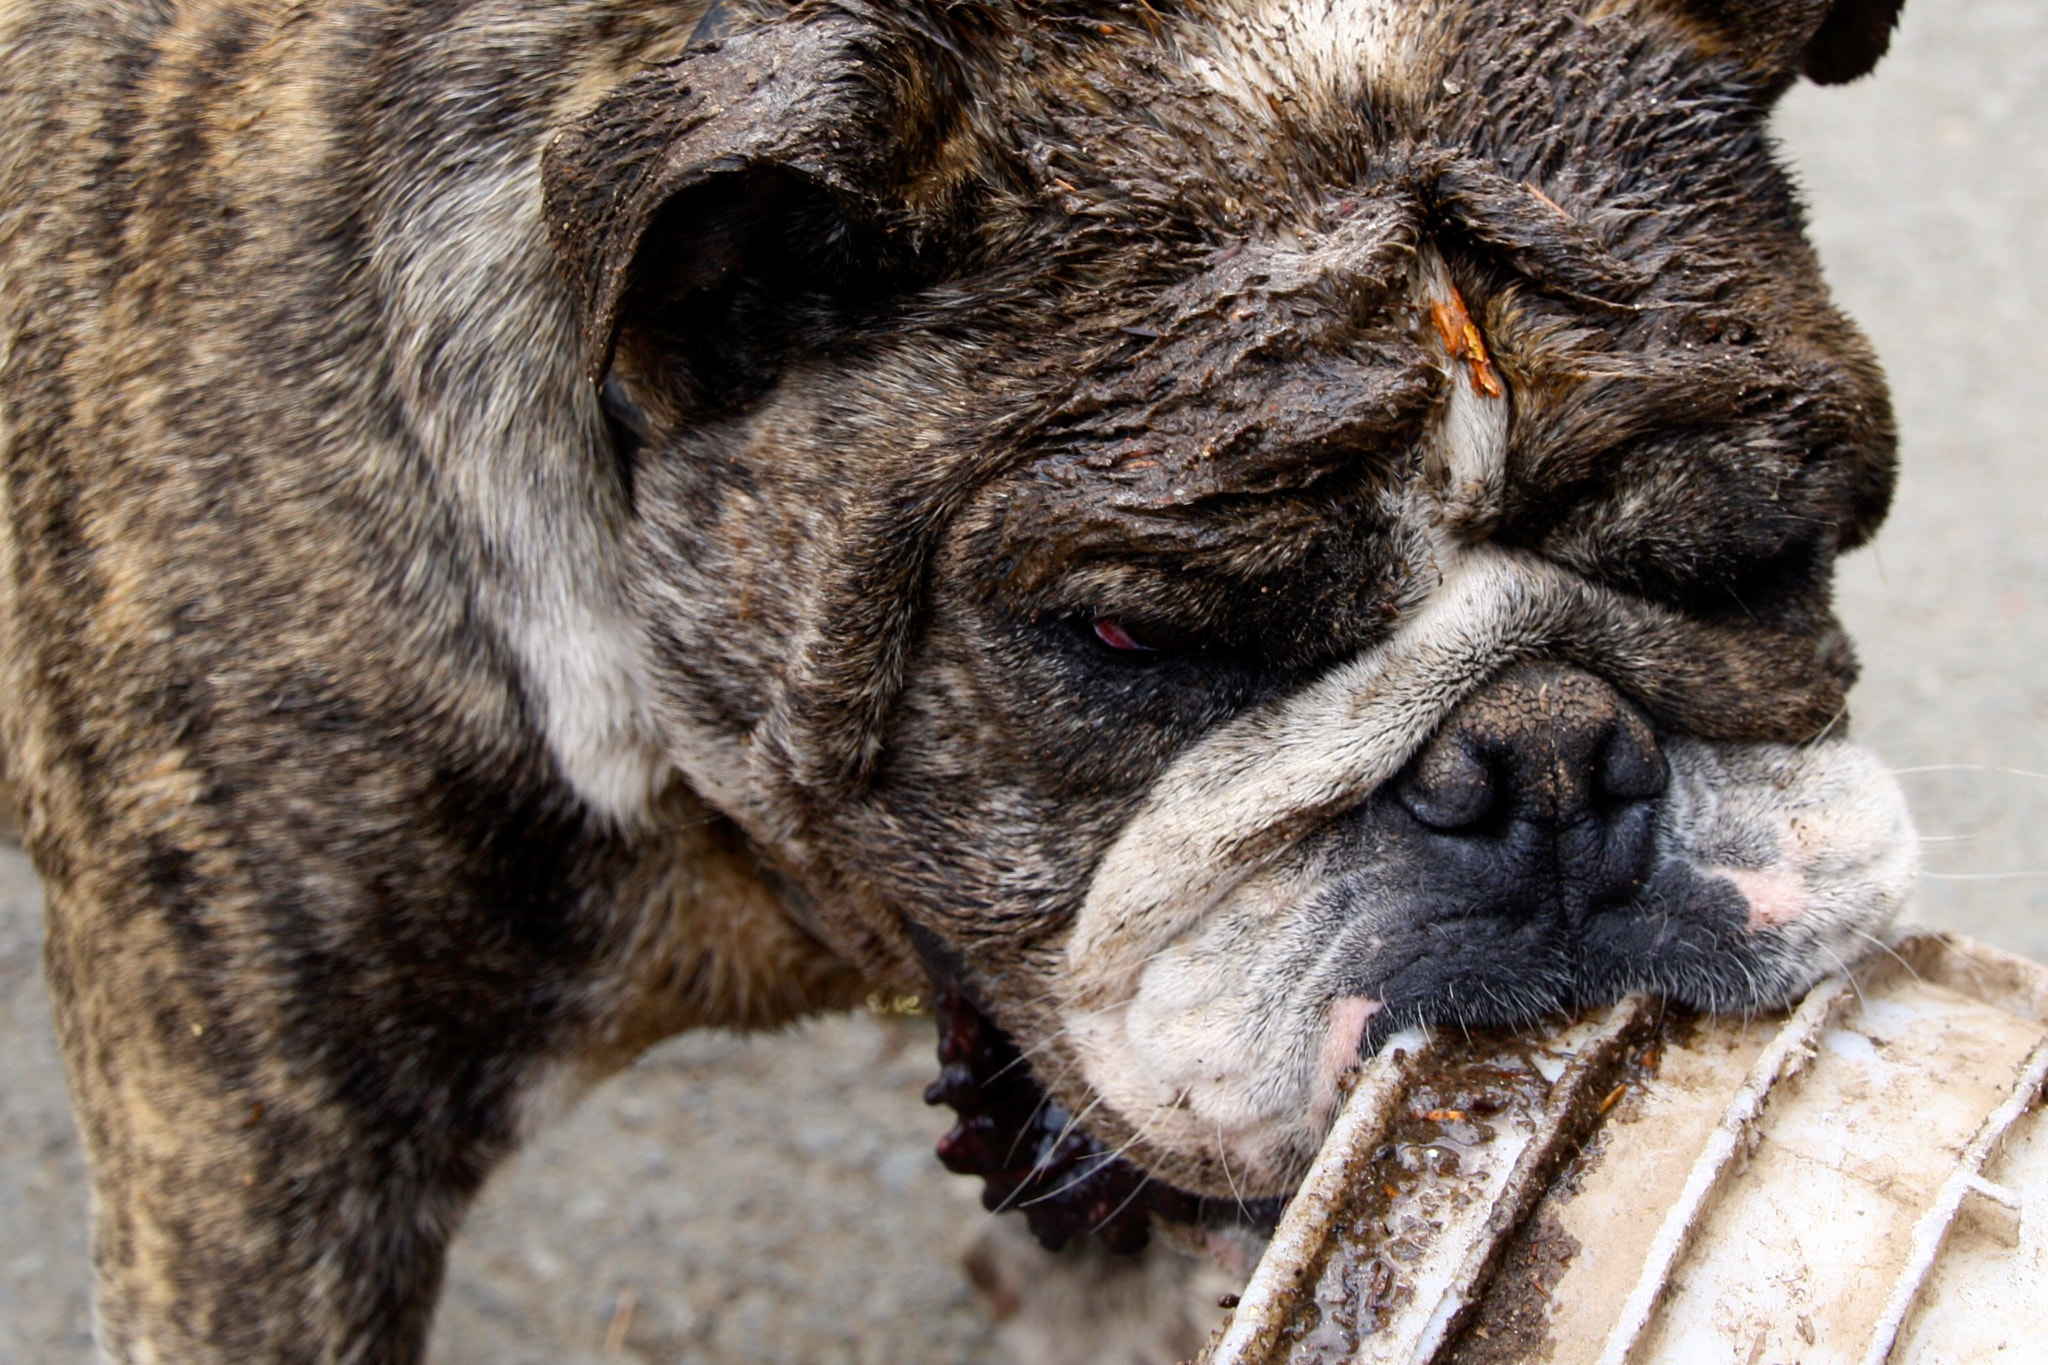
252,1201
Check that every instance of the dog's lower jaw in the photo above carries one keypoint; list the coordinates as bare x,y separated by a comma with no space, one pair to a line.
1034,1157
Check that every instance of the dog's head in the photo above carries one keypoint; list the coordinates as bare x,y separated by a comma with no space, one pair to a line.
1235,526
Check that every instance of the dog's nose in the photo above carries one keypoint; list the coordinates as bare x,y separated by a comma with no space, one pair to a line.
1539,791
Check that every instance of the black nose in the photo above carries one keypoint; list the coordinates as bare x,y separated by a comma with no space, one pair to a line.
1538,793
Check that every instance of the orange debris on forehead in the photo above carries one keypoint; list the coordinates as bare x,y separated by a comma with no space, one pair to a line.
1461,339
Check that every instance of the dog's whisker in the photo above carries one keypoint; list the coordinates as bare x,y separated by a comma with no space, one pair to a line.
1887,948
1847,975
1985,876
1038,1167
1038,1109
1074,1121
1841,712
1117,1212
1991,828
1025,1054
1969,768
1103,1161
2021,875
1223,1159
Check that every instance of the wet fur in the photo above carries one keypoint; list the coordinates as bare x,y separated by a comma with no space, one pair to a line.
411,726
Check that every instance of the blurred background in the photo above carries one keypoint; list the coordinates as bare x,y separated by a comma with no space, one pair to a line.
774,1199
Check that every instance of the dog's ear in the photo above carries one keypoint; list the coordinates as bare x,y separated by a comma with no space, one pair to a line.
1831,41
1851,39
763,169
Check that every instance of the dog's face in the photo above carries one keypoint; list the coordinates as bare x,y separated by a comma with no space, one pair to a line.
1236,527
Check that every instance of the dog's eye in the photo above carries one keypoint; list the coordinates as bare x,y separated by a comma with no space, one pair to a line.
1135,638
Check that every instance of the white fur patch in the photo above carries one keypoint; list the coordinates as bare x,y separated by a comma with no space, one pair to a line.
1331,52
472,278
1468,445
1212,1052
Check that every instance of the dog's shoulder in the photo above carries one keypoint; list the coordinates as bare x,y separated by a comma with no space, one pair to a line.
289,374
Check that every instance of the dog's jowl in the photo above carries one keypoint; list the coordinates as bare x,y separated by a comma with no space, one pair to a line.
1205,530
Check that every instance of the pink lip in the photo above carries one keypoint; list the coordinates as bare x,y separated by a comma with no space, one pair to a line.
1775,897
1348,1017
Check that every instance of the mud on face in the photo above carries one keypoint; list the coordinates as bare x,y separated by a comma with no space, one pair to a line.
1315,517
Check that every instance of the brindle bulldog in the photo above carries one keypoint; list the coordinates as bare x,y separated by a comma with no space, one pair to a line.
1205,531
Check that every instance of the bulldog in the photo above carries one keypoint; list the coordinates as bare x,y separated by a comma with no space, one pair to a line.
1196,533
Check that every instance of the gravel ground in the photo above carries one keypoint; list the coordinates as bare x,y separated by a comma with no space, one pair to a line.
772,1199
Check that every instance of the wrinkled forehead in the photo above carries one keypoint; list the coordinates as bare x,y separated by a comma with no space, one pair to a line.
1248,222
1262,224
1177,174
1277,103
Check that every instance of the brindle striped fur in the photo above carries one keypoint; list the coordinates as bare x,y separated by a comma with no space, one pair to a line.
408,734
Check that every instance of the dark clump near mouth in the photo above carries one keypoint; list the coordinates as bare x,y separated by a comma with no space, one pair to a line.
1033,1157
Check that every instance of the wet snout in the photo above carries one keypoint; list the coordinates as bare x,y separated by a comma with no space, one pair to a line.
1538,794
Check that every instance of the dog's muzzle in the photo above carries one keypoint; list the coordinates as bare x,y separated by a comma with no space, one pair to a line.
1477,824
